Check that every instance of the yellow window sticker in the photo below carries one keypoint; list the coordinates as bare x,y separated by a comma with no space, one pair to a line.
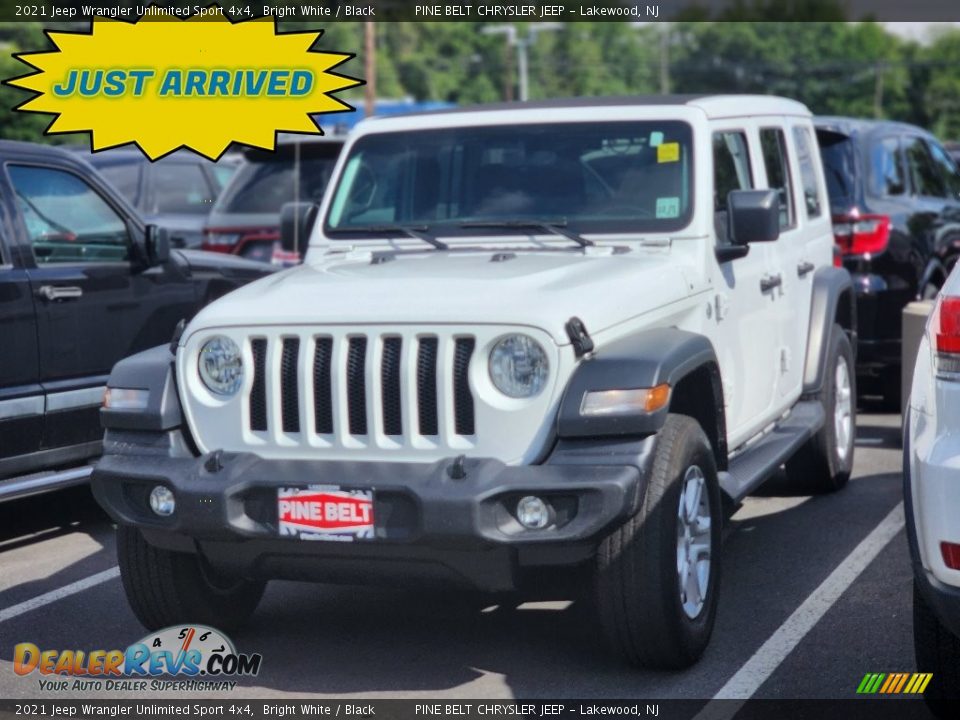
668,152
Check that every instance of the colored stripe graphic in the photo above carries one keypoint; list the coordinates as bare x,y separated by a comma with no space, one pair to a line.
894,683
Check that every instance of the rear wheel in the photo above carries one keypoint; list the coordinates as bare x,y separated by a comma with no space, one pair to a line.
824,463
657,576
167,588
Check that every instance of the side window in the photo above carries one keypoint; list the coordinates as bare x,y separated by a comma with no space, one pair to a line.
948,169
887,176
731,171
125,177
66,219
181,188
808,172
773,143
923,171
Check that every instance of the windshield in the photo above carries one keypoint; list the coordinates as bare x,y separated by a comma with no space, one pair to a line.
594,177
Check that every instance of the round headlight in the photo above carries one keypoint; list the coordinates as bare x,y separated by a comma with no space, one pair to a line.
519,366
221,367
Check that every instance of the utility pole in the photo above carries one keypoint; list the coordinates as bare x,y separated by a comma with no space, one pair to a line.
665,59
522,46
370,67
878,91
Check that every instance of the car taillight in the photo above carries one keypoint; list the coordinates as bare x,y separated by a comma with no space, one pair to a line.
219,241
858,234
945,331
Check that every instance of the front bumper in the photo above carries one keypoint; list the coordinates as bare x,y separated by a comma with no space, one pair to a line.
428,523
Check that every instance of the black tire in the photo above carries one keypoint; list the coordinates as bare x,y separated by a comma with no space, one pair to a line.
168,588
819,466
637,590
937,651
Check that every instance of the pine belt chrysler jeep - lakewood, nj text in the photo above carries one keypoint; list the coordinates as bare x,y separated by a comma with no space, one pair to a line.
535,347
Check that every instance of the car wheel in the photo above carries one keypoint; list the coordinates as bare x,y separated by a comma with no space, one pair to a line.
167,588
657,576
824,463
937,651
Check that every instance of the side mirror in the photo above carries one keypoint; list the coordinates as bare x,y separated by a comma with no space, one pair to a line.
754,216
296,220
158,245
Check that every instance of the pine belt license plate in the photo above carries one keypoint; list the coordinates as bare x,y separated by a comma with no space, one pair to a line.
325,512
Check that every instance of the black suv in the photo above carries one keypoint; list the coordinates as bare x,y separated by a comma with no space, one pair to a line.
83,283
895,199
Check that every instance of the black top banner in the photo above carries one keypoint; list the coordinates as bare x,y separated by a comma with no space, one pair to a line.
494,10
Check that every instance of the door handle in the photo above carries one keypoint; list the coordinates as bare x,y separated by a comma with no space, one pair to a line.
769,282
805,268
54,292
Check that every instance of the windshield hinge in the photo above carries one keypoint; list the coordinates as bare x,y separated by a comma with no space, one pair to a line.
579,337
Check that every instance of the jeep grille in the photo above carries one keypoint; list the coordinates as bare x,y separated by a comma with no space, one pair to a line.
364,375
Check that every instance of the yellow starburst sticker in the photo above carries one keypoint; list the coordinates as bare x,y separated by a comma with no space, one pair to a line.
201,82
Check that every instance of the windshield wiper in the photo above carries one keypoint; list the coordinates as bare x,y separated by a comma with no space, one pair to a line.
417,232
557,227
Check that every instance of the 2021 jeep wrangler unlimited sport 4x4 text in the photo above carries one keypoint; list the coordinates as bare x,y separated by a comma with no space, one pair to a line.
530,344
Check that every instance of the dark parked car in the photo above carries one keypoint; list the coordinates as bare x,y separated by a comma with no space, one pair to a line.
895,199
84,282
245,219
176,192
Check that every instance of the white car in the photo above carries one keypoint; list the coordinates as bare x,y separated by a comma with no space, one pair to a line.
539,347
932,494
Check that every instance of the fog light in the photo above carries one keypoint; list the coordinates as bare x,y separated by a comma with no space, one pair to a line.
533,513
162,501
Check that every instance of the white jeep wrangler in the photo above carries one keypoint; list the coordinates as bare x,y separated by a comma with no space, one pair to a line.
533,347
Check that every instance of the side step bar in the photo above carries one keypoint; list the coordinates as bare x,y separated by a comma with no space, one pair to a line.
25,485
753,466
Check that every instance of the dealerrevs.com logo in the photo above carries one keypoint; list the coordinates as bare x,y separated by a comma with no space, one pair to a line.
197,656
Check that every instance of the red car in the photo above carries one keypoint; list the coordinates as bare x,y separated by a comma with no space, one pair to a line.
245,220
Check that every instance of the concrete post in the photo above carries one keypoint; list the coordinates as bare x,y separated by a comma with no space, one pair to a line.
914,321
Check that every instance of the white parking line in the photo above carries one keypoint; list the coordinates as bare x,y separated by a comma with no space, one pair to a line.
748,679
58,594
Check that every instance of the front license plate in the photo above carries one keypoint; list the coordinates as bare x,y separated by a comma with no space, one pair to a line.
325,512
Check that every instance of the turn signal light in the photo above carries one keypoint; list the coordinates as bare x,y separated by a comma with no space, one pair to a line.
625,402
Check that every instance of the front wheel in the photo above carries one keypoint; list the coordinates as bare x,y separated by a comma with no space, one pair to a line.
657,576
824,463
168,588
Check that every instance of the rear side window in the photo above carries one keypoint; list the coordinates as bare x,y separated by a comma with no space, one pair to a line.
924,173
808,172
774,147
125,177
887,176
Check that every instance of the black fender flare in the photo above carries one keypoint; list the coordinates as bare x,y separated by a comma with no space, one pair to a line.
151,370
644,360
829,286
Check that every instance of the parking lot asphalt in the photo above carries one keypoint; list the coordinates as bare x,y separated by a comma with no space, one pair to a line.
816,592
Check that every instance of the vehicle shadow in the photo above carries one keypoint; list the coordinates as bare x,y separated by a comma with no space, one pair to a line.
343,641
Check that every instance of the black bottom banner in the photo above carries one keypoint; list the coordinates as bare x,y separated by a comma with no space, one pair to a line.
310,709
